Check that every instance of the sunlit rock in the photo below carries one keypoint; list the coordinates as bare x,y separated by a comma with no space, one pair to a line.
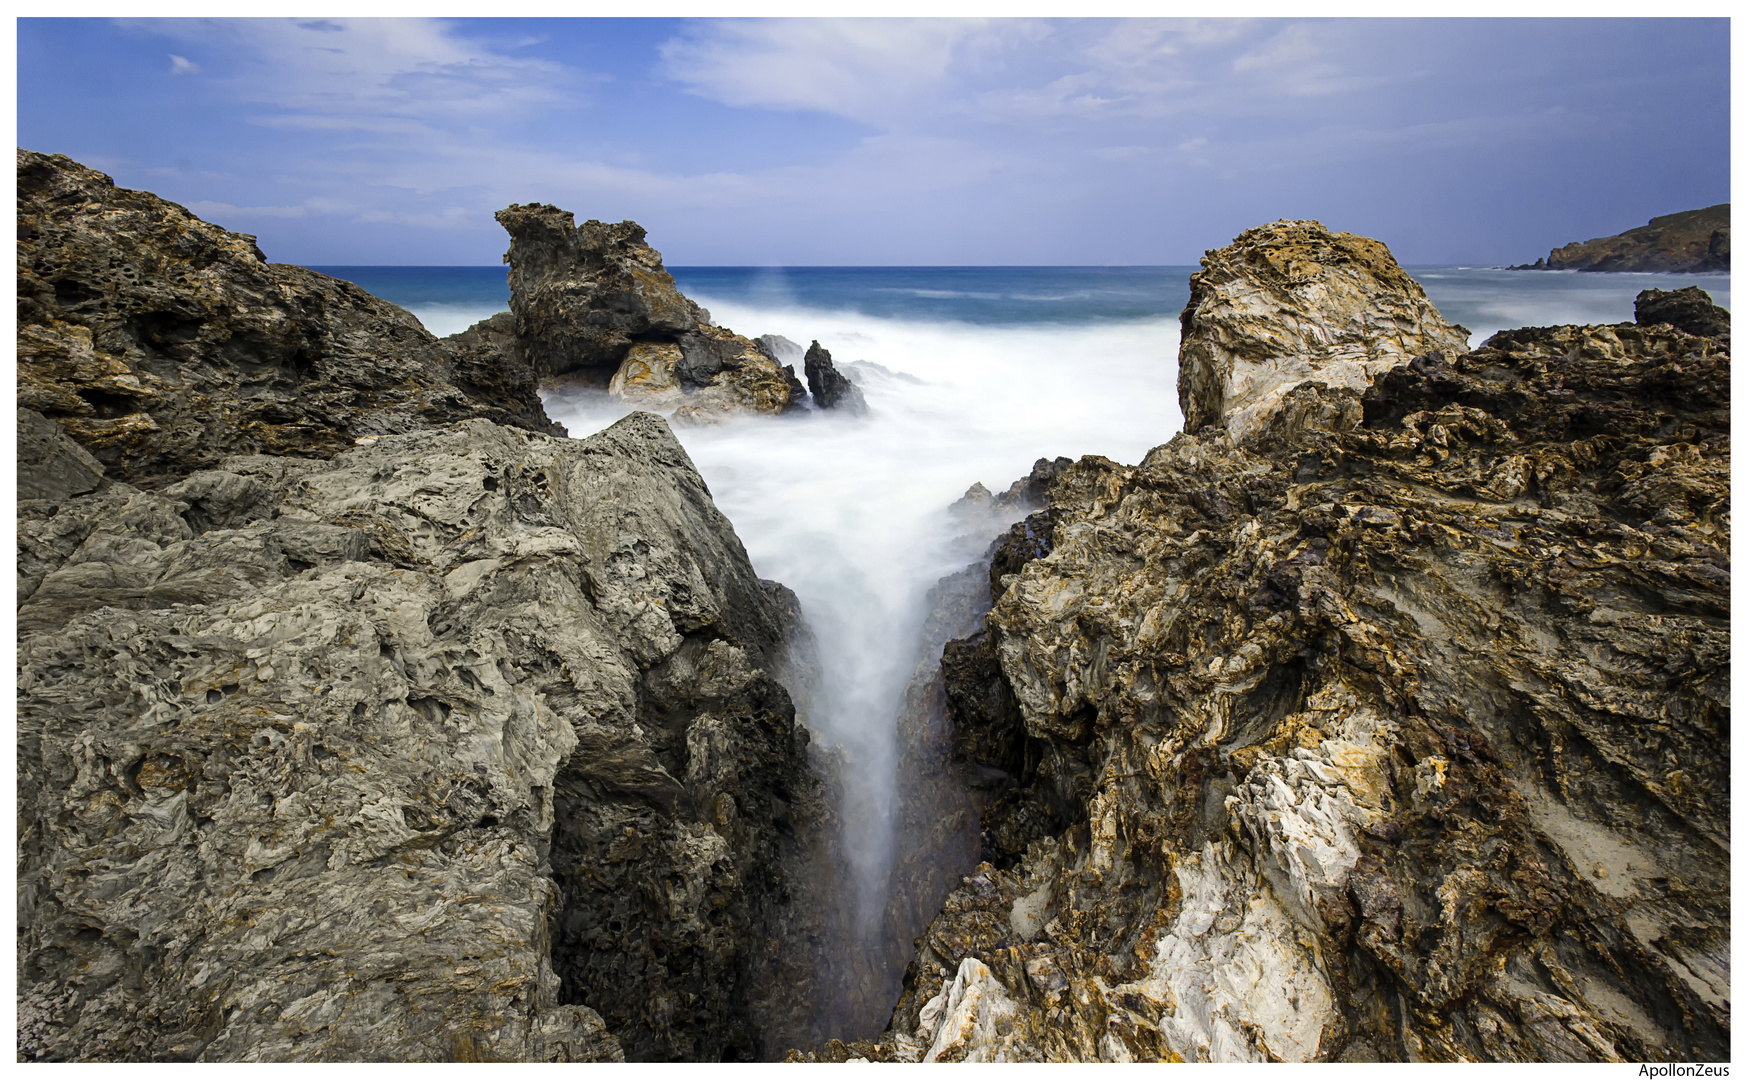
594,307
1397,731
1292,305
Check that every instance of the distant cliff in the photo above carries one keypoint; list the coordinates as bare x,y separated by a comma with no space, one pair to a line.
1691,242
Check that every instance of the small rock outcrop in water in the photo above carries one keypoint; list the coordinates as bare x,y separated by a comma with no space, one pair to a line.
831,390
593,305
1691,242
465,743
162,343
1399,739
1292,309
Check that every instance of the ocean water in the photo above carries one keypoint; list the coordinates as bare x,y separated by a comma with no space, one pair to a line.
971,374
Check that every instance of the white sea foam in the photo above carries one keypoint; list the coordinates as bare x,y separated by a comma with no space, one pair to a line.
446,319
851,512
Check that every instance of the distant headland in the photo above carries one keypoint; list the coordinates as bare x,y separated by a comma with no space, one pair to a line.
1691,242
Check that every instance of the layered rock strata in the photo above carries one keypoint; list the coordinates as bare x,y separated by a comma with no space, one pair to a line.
1690,242
1405,739
163,343
423,737
594,306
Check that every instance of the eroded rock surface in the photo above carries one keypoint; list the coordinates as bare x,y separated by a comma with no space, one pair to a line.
1690,309
1292,306
1404,740
461,745
593,305
162,343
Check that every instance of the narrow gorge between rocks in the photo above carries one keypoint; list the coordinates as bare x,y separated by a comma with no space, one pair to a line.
960,703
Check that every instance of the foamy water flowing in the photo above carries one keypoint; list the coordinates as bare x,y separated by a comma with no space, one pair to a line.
851,512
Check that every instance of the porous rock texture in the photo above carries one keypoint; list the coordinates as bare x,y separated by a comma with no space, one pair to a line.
594,307
1292,306
1690,242
163,343
424,737
1405,740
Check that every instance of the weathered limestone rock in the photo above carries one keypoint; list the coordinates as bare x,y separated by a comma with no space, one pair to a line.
1690,242
1404,740
593,305
1290,306
463,745
162,343
831,389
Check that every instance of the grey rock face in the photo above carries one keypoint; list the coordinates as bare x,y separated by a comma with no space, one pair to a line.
445,749
831,389
51,465
162,343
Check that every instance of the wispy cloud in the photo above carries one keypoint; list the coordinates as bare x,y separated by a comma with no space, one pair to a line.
738,129
332,69
863,69
222,211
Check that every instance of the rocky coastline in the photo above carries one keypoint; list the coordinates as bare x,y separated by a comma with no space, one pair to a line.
1380,715
1691,242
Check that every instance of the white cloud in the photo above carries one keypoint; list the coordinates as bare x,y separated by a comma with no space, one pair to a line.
181,65
870,70
208,210
371,68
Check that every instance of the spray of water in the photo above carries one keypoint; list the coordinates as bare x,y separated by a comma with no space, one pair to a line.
851,512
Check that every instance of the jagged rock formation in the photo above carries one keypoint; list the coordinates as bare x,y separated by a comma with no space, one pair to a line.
830,388
1404,740
780,350
1689,310
593,305
1292,308
423,737
1691,242
162,343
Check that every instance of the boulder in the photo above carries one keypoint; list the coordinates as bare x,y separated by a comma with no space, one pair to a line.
1292,306
593,306
831,389
1690,309
162,343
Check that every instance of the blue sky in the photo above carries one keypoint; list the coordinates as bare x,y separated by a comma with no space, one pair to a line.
860,142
